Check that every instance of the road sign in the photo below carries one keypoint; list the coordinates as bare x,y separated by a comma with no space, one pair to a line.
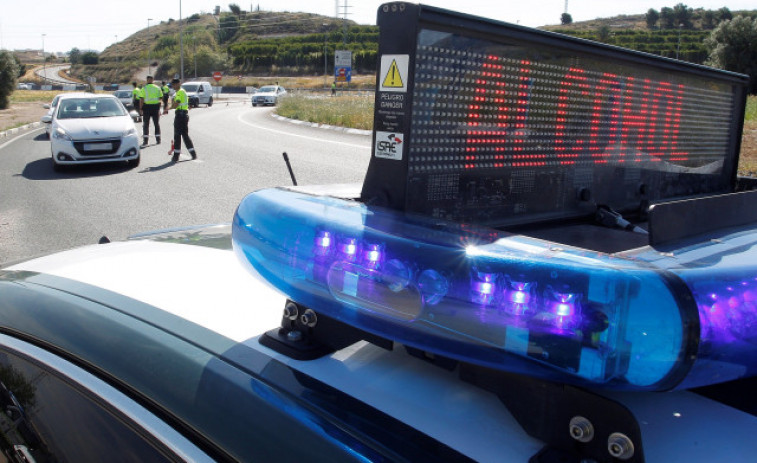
343,74
342,59
217,76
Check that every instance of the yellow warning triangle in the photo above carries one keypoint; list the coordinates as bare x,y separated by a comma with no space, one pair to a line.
393,78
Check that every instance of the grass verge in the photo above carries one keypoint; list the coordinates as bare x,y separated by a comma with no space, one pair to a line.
350,110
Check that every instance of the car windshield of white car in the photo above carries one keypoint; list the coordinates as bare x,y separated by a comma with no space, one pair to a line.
267,89
190,88
89,107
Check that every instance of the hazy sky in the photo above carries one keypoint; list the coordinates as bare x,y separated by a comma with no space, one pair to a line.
95,25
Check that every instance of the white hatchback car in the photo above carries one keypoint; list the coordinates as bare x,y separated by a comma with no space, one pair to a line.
89,128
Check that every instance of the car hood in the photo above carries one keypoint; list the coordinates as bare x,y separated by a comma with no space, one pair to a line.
96,127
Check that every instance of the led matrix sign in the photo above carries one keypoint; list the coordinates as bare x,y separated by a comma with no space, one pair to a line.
498,124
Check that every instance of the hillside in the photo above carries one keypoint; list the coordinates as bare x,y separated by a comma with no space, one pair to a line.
263,43
208,40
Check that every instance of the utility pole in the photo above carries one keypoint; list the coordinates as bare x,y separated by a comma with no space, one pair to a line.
148,46
44,63
181,44
325,56
345,13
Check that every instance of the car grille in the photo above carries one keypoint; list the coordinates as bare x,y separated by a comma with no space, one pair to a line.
97,151
262,99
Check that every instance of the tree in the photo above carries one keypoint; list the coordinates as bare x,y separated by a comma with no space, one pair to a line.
8,76
709,19
21,66
682,15
74,56
90,57
652,17
228,25
235,9
565,18
733,46
603,33
724,14
667,18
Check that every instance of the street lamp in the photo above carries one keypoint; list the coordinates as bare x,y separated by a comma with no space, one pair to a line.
148,46
678,49
115,44
44,63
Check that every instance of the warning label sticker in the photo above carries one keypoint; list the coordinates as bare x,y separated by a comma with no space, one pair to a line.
394,73
389,145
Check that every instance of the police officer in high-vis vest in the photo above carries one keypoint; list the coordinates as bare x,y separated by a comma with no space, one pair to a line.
136,98
153,95
181,121
166,91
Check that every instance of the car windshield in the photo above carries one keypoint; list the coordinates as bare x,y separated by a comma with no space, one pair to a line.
80,108
267,89
122,94
189,88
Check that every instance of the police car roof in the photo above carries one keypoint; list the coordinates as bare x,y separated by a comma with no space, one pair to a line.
188,284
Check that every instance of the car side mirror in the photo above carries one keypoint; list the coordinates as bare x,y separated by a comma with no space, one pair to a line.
47,119
200,90
46,106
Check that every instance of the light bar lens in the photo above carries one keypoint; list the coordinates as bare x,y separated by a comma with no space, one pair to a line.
485,297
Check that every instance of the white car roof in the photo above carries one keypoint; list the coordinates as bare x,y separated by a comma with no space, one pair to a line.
210,288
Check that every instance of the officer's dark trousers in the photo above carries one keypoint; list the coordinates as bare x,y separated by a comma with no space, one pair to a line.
181,130
150,111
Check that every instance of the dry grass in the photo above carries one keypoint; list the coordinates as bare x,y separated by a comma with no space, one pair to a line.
362,82
354,110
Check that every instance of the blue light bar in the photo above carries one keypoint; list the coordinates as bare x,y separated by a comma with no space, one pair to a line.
508,301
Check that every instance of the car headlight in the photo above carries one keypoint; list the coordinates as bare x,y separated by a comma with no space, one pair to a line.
129,132
61,134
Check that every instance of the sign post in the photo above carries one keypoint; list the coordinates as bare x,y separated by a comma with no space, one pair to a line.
343,66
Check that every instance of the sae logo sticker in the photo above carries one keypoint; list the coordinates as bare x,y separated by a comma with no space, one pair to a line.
394,73
389,145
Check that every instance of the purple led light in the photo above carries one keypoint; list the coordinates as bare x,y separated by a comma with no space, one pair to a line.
483,287
348,249
562,310
518,296
323,241
373,255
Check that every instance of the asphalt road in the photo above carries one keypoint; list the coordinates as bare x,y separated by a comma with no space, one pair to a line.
51,74
239,151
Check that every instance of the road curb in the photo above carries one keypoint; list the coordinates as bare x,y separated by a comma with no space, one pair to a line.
323,126
17,130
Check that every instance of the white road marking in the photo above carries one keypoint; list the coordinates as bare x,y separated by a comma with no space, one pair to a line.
239,118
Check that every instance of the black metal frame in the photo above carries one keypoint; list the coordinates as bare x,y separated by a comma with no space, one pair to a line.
543,408
387,180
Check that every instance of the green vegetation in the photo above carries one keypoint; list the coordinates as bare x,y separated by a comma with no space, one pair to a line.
8,75
686,45
351,110
305,54
751,109
733,46
265,43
